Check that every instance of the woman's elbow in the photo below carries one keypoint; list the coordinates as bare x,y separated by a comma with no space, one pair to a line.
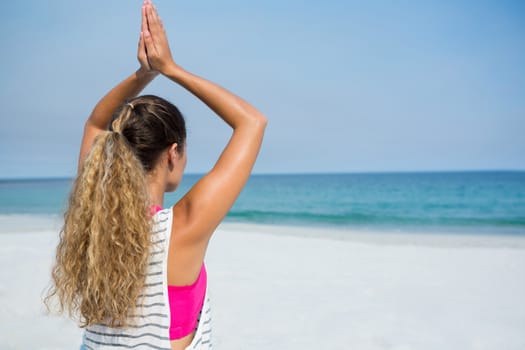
262,121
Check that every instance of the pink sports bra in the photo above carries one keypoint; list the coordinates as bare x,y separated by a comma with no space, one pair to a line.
185,306
185,303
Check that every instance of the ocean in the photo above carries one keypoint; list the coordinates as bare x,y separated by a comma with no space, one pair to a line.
487,202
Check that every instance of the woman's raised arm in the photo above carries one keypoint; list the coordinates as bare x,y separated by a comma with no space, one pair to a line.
100,118
199,212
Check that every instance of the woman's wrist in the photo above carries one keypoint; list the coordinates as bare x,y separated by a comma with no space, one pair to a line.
144,74
173,71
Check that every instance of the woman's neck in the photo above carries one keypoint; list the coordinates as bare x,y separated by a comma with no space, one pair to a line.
156,191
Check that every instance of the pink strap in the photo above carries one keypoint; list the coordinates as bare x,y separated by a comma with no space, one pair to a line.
154,209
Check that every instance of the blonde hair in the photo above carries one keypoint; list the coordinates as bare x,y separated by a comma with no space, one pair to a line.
103,252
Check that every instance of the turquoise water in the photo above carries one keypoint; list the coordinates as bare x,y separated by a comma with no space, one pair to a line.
486,202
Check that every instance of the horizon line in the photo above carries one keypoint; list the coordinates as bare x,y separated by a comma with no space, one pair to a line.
364,172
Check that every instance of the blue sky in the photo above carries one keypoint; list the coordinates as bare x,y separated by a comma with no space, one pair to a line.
347,86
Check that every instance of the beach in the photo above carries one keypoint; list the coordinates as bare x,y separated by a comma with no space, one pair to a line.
282,287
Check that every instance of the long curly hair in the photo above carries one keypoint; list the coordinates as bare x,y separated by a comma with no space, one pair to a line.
104,247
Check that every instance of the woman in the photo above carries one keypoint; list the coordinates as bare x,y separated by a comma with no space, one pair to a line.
133,271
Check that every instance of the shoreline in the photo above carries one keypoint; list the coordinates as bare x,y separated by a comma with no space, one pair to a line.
385,237
33,223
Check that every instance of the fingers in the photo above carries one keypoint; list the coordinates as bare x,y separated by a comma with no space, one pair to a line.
147,23
157,17
142,55
144,26
156,14
153,20
155,40
149,45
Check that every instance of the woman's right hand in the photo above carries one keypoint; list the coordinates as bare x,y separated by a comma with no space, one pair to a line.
155,41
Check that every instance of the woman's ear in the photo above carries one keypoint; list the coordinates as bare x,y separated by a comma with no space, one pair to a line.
172,156
172,152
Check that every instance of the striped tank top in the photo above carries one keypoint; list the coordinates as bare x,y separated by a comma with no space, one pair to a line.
151,320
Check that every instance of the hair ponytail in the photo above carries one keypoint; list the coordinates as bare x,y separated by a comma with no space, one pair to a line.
104,247
102,256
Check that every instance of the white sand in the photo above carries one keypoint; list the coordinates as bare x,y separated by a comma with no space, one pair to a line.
273,288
